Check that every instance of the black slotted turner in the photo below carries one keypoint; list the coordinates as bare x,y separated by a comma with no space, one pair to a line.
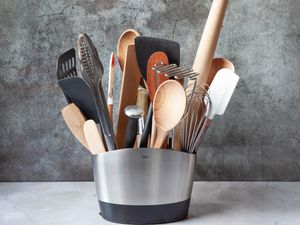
75,88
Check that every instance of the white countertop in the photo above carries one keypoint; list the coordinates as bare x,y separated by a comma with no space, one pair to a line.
213,203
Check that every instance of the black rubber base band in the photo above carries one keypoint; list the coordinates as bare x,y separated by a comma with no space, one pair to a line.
144,214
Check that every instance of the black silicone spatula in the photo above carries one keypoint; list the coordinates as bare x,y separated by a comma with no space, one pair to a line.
146,46
75,88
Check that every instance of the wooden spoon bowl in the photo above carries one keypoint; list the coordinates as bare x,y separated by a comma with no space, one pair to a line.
126,38
168,108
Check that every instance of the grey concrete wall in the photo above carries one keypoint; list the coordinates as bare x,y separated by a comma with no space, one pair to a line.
257,138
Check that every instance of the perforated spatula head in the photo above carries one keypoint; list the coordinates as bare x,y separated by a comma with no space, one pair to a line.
66,65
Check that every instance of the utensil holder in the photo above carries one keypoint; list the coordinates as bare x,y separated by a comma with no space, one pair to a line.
144,186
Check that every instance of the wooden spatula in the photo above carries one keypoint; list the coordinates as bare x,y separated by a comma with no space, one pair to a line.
93,137
128,94
75,120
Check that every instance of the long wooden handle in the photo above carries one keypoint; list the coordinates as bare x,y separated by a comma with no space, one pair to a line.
153,132
209,40
93,137
128,95
75,121
110,95
176,142
160,138
143,99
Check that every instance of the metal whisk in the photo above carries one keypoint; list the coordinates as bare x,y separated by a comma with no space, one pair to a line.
193,124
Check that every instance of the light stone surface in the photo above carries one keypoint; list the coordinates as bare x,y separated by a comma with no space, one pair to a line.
213,203
258,138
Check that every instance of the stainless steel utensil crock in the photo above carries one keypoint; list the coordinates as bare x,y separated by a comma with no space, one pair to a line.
144,185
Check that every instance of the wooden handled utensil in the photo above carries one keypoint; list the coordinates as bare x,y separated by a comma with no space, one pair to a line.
93,137
75,88
143,99
168,108
217,64
153,82
128,94
145,47
75,121
110,94
126,38
92,72
209,40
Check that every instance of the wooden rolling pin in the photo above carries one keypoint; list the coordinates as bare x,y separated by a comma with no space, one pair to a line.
209,40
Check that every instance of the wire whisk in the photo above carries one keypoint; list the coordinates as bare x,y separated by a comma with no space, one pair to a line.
193,123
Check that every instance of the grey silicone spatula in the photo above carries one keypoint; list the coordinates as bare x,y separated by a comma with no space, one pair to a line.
75,88
92,71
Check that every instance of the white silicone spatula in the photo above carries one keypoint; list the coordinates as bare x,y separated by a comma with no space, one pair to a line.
220,92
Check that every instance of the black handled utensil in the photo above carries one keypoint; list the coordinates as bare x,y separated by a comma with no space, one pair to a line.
75,88
92,71
134,113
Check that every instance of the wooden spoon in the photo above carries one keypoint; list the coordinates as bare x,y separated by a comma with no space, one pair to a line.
153,81
126,38
93,137
168,108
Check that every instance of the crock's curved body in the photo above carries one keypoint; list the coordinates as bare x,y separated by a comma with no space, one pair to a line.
144,185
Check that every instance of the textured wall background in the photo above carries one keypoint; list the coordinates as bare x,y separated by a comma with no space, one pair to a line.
257,138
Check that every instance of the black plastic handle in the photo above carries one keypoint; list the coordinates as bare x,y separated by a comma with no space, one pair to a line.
147,129
131,132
